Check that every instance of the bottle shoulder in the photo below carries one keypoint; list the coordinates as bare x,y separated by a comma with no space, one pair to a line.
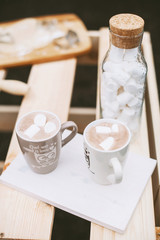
124,59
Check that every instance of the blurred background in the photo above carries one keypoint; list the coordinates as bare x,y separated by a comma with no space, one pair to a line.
95,14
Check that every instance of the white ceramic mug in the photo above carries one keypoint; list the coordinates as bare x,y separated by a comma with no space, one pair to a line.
106,167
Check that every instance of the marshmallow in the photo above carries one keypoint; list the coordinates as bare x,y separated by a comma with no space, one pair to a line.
115,106
110,109
136,70
140,91
106,75
32,130
108,95
129,66
108,66
103,129
131,86
120,77
112,86
141,80
130,54
108,113
103,102
107,143
116,54
127,115
115,128
49,127
135,103
40,120
139,71
133,125
124,98
122,86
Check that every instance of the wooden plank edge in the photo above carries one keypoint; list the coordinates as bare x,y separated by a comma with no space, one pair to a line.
82,116
1,165
153,119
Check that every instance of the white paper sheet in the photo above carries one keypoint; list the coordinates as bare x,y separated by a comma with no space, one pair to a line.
70,187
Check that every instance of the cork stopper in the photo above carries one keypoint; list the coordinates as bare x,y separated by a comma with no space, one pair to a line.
126,30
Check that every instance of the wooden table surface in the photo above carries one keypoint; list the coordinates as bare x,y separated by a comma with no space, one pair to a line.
22,217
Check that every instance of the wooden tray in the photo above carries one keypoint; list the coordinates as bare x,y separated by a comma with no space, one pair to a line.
51,52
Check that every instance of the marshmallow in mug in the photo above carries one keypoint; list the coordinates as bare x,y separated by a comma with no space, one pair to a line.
105,130
40,121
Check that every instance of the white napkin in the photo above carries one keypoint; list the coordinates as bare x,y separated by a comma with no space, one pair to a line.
70,187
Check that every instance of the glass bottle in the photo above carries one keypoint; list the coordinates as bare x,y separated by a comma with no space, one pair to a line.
124,72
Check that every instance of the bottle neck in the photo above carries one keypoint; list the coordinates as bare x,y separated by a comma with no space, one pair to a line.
120,54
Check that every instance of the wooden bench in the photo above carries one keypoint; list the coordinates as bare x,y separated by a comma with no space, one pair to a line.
22,217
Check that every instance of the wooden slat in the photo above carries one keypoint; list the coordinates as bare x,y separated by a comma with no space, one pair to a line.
22,217
103,41
142,225
153,117
82,116
1,165
8,116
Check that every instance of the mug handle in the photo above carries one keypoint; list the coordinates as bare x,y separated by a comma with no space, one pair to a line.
74,130
115,163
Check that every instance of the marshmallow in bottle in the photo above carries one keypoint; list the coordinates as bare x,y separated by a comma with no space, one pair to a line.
130,54
124,98
106,75
111,110
140,92
127,115
112,86
135,103
108,94
108,67
107,113
32,131
116,54
131,87
124,70
133,125
120,77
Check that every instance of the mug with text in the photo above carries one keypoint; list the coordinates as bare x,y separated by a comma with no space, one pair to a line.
39,134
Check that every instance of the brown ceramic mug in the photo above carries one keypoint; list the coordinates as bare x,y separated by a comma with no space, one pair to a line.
42,154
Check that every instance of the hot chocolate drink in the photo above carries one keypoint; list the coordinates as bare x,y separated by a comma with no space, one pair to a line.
107,136
37,126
